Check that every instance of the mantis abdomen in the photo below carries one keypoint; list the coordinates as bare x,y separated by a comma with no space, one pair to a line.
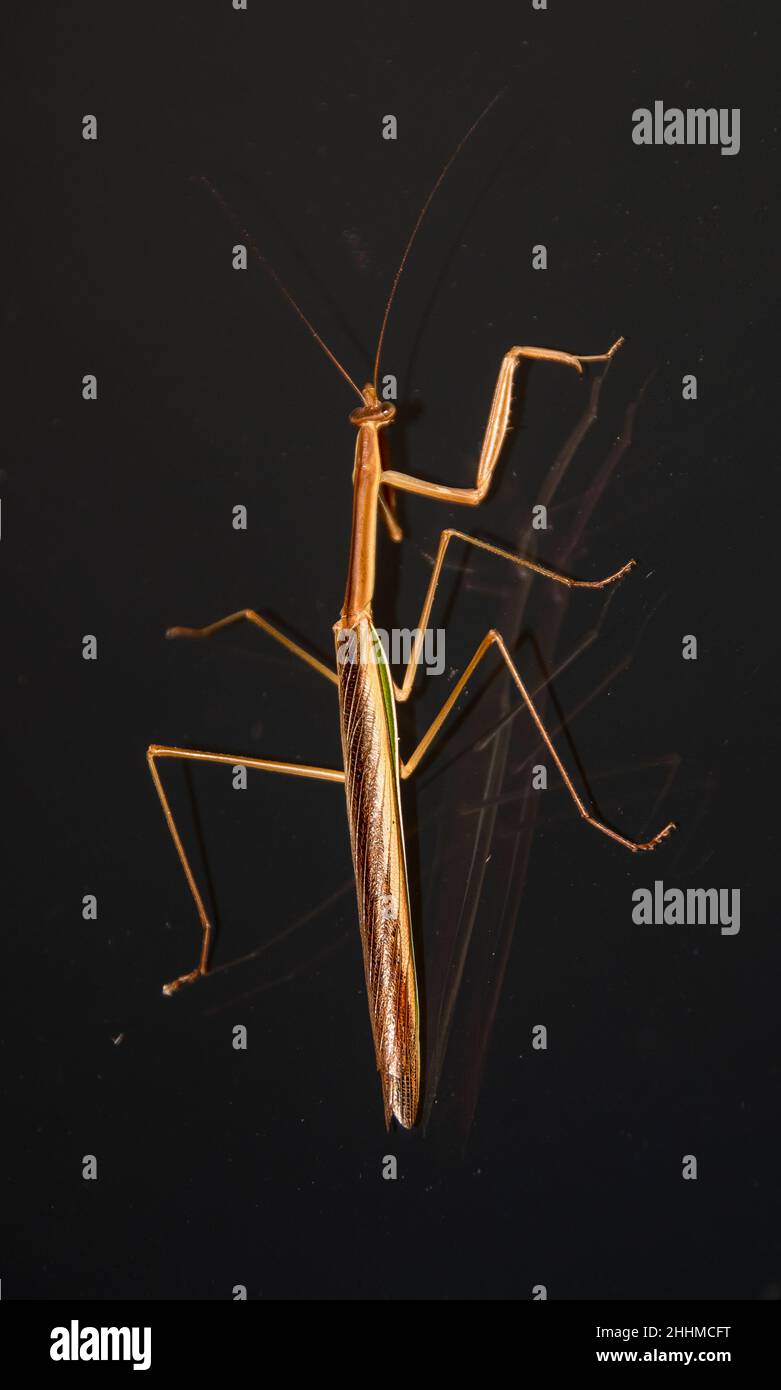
371,766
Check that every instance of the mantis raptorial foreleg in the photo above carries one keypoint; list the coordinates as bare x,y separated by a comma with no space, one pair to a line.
252,617
155,751
404,690
494,638
496,429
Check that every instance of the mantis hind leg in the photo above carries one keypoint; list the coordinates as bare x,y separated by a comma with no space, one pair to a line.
156,751
493,638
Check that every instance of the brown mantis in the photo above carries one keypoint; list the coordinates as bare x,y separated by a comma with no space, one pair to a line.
373,769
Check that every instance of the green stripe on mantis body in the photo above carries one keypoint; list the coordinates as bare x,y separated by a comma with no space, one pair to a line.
387,690
393,733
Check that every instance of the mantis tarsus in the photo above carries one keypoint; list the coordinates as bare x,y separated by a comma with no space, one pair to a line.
372,769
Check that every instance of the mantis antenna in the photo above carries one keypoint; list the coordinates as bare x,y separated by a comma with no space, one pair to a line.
266,265
278,281
416,228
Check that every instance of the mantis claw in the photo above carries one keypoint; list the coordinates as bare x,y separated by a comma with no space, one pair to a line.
651,844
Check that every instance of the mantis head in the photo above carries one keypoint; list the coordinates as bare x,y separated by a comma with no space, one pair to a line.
373,411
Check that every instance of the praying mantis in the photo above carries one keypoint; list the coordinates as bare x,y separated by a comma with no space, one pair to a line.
372,769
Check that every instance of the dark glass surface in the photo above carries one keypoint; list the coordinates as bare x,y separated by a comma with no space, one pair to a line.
264,1168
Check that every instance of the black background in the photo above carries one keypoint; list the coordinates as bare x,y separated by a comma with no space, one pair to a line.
263,1168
